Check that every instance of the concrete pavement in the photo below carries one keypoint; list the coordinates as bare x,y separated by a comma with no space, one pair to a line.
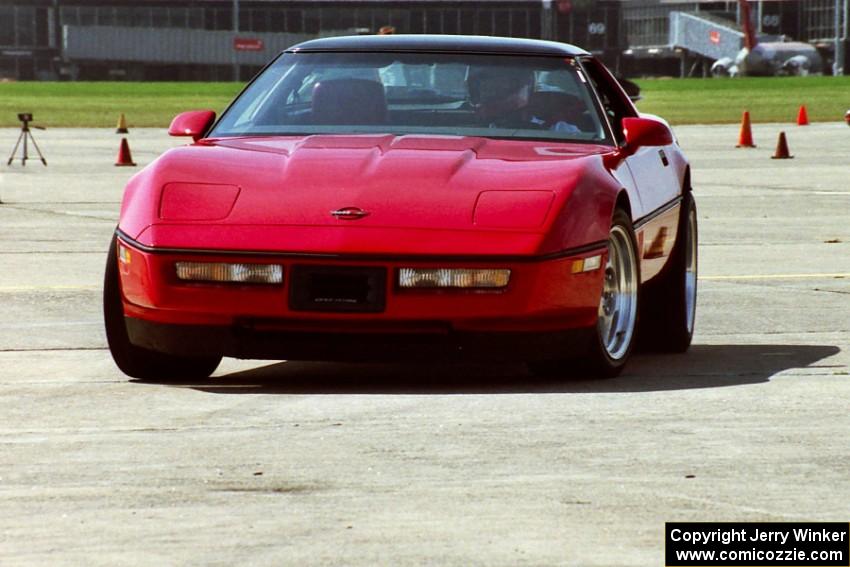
328,464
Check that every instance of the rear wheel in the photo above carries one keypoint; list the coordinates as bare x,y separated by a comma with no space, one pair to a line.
135,361
612,339
667,323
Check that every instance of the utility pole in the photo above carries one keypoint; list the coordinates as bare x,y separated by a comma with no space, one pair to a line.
846,16
233,42
844,35
838,64
547,17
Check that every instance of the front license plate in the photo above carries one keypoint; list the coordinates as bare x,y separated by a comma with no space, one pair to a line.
343,289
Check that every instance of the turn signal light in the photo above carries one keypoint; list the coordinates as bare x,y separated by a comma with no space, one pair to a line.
452,278
124,254
587,264
229,273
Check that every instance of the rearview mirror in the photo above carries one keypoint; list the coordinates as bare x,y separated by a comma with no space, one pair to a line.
194,123
646,132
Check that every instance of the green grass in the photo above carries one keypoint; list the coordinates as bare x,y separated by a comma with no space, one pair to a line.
681,101
769,99
99,104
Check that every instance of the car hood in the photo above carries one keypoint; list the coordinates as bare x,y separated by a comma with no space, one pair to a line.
423,195
400,181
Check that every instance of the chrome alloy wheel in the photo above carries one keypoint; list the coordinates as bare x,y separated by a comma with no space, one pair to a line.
691,271
618,305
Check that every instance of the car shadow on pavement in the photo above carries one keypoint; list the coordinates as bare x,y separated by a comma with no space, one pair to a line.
704,366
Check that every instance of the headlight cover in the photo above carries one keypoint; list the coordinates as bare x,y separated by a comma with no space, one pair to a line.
197,201
229,273
512,209
458,278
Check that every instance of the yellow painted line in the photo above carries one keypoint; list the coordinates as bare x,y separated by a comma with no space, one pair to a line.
777,276
23,288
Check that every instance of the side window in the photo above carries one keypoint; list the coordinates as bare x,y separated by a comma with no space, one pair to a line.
614,103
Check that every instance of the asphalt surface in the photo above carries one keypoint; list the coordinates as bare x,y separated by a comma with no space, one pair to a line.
328,464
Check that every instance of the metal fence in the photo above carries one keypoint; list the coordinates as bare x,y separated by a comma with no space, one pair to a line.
703,36
647,24
171,45
818,20
518,19
31,39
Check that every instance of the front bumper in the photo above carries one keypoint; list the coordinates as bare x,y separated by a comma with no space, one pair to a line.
542,313
258,340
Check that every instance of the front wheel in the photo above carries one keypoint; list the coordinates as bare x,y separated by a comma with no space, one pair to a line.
135,361
612,339
619,304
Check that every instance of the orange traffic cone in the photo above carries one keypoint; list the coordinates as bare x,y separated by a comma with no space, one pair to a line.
802,116
745,138
122,125
124,157
782,148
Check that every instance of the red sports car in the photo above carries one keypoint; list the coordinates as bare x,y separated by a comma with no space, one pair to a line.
398,197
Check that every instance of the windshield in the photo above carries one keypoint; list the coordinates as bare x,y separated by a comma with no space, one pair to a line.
417,93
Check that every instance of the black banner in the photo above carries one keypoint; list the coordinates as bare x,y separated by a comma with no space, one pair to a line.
757,544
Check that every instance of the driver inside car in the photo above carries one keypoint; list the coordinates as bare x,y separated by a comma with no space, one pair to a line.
504,98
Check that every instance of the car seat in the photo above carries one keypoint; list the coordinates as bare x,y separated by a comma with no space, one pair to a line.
349,101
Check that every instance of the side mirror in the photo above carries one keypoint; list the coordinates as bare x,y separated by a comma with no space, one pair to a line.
646,132
194,123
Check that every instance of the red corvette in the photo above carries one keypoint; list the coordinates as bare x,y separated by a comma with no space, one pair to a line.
394,197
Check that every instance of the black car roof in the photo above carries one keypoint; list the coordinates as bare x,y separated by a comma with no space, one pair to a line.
439,44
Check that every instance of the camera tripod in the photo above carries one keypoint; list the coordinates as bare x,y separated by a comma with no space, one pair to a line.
26,136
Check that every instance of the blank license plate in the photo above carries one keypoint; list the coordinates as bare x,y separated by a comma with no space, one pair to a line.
344,289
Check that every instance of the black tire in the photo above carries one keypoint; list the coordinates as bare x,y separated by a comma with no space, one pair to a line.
607,351
137,362
669,300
